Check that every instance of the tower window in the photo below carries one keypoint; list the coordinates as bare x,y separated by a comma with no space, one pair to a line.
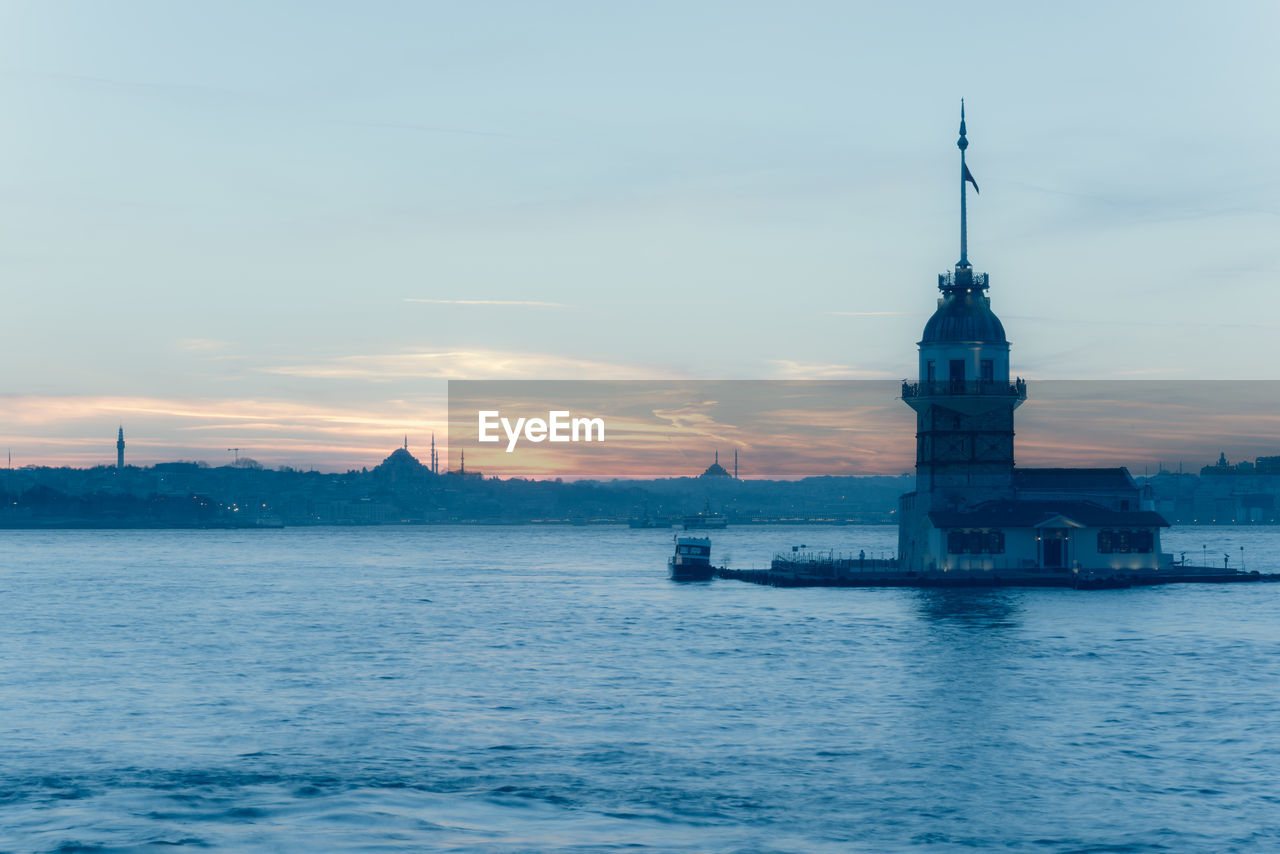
930,371
988,371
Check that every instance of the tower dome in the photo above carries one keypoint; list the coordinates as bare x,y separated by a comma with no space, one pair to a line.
964,316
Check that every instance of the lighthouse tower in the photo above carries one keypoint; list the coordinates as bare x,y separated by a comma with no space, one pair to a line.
964,399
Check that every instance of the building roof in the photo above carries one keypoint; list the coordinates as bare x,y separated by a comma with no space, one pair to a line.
1029,514
1074,479
964,316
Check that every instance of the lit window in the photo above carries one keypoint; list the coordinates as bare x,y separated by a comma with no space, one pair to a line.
975,542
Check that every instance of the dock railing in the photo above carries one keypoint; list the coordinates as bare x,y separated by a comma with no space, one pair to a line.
830,563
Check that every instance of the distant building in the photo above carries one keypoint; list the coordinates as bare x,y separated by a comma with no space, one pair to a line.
1222,467
462,468
1233,493
120,448
1261,466
402,467
715,469
972,509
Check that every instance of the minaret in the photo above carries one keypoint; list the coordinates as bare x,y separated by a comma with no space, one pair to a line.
120,448
964,399
434,466
735,463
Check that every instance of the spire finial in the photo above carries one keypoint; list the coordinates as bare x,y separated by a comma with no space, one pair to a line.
962,144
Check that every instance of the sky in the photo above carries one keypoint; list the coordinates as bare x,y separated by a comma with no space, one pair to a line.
283,227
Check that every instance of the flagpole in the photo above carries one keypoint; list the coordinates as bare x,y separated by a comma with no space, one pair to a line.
962,144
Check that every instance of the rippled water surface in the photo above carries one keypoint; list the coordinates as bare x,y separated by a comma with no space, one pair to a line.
547,689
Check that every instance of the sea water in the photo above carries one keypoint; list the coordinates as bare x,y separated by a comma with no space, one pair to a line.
549,689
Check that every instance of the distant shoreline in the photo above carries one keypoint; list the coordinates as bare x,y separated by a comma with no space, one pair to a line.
98,525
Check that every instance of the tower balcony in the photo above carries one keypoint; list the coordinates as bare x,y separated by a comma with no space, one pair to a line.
1016,390
963,280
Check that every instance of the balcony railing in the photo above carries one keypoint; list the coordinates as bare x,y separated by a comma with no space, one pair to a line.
962,280
1016,389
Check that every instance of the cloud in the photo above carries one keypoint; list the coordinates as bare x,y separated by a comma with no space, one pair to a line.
792,370
498,302
1128,323
39,410
426,128
474,364
203,345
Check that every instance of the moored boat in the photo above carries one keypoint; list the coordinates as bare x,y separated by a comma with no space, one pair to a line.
692,560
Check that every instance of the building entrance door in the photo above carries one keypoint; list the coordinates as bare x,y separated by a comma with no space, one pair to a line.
1055,549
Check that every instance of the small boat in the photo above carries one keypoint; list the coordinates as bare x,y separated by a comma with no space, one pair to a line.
692,560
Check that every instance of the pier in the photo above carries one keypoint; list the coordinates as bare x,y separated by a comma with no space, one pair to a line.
833,570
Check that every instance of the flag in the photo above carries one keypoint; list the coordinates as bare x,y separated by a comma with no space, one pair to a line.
968,176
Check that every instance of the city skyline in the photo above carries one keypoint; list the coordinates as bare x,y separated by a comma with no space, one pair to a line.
790,429
283,229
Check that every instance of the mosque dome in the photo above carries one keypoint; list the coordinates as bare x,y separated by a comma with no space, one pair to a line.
399,462
715,469
401,457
